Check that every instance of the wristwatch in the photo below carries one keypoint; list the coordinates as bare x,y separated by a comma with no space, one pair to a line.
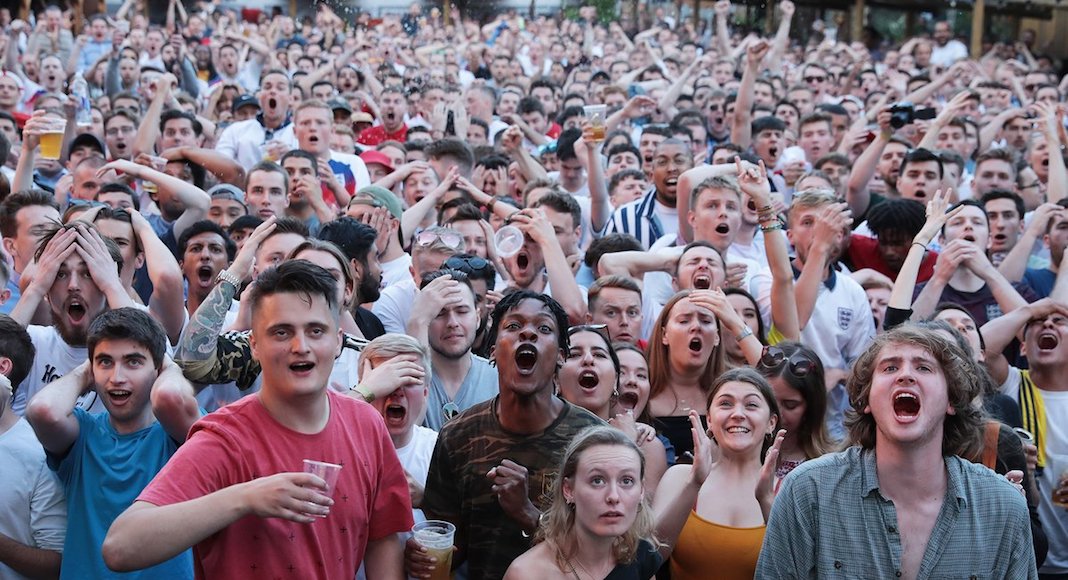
226,276
745,333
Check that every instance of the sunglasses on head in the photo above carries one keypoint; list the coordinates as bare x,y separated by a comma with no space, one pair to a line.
451,239
468,264
774,357
601,329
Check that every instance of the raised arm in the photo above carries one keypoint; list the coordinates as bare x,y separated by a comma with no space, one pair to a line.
566,290
167,303
952,109
905,284
782,36
857,194
174,401
1014,265
31,138
512,142
226,169
148,132
677,493
690,179
754,183
195,200
600,207
830,225
741,128
635,264
51,411
723,36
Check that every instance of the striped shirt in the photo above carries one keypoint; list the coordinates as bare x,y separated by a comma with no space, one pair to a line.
637,218
830,520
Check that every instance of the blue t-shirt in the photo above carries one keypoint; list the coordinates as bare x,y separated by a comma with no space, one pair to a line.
1041,281
479,385
102,475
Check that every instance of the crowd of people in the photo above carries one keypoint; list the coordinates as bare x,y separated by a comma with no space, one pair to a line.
682,301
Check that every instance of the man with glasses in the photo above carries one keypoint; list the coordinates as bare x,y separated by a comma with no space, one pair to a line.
819,81
446,318
430,249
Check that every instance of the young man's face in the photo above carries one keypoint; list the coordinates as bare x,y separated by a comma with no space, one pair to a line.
123,373
893,248
919,180
266,194
768,145
992,174
567,231
716,217
953,138
889,165
669,162
628,190
1057,237
526,265
178,133
969,225
203,259
475,242
275,249
405,407
296,339
31,224
224,211
909,397
801,232
1005,224
700,268
816,139
75,300
878,299
527,353
122,233
620,310
647,144
620,162
313,127
119,134
453,330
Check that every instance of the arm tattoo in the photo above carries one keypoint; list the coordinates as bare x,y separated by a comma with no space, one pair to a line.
199,340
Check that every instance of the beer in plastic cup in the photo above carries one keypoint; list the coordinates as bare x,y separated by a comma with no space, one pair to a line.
437,537
595,114
52,140
328,472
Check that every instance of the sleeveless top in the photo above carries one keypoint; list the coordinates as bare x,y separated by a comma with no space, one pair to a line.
705,550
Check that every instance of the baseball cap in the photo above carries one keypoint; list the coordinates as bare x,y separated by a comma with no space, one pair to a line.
376,196
244,101
340,105
87,140
372,156
227,191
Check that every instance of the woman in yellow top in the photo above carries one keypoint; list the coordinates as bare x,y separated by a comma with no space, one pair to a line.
712,514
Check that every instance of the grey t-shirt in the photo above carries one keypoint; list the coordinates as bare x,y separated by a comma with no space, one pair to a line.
479,385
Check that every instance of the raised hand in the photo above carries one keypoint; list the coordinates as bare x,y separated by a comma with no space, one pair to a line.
705,451
765,489
396,373
936,217
246,257
509,484
753,181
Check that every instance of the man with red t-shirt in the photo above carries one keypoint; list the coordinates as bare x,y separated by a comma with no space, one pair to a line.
236,493
392,108
895,222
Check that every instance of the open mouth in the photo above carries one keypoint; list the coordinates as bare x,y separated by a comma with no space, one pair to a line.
629,400
696,345
76,311
738,429
396,413
526,358
1048,341
968,237
119,395
702,282
921,194
204,273
313,139
774,153
906,405
272,103
522,259
302,367
672,182
723,229
588,380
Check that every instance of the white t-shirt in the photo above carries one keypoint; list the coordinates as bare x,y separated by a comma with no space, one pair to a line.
394,306
54,359
669,218
33,511
1054,519
396,271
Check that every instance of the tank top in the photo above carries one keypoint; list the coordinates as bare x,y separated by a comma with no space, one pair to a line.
707,550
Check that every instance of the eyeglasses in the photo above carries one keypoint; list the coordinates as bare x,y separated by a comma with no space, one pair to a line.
120,131
449,411
468,264
1031,185
451,239
818,79
799,365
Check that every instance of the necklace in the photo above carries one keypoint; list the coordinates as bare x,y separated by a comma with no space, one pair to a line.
575,573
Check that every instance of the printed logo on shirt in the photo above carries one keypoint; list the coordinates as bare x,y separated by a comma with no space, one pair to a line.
49,375
993,311
845,316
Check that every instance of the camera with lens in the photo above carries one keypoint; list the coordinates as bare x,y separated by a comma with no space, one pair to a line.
904,112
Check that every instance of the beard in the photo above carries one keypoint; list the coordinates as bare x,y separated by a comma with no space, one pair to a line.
369,290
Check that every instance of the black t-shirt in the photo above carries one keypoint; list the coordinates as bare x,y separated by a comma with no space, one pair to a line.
645,564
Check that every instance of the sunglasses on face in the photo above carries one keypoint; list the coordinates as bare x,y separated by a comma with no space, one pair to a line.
451,240
798,365
819,79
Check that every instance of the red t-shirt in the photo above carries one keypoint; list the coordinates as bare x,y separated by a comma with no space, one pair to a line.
864,253
242,442
374,135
